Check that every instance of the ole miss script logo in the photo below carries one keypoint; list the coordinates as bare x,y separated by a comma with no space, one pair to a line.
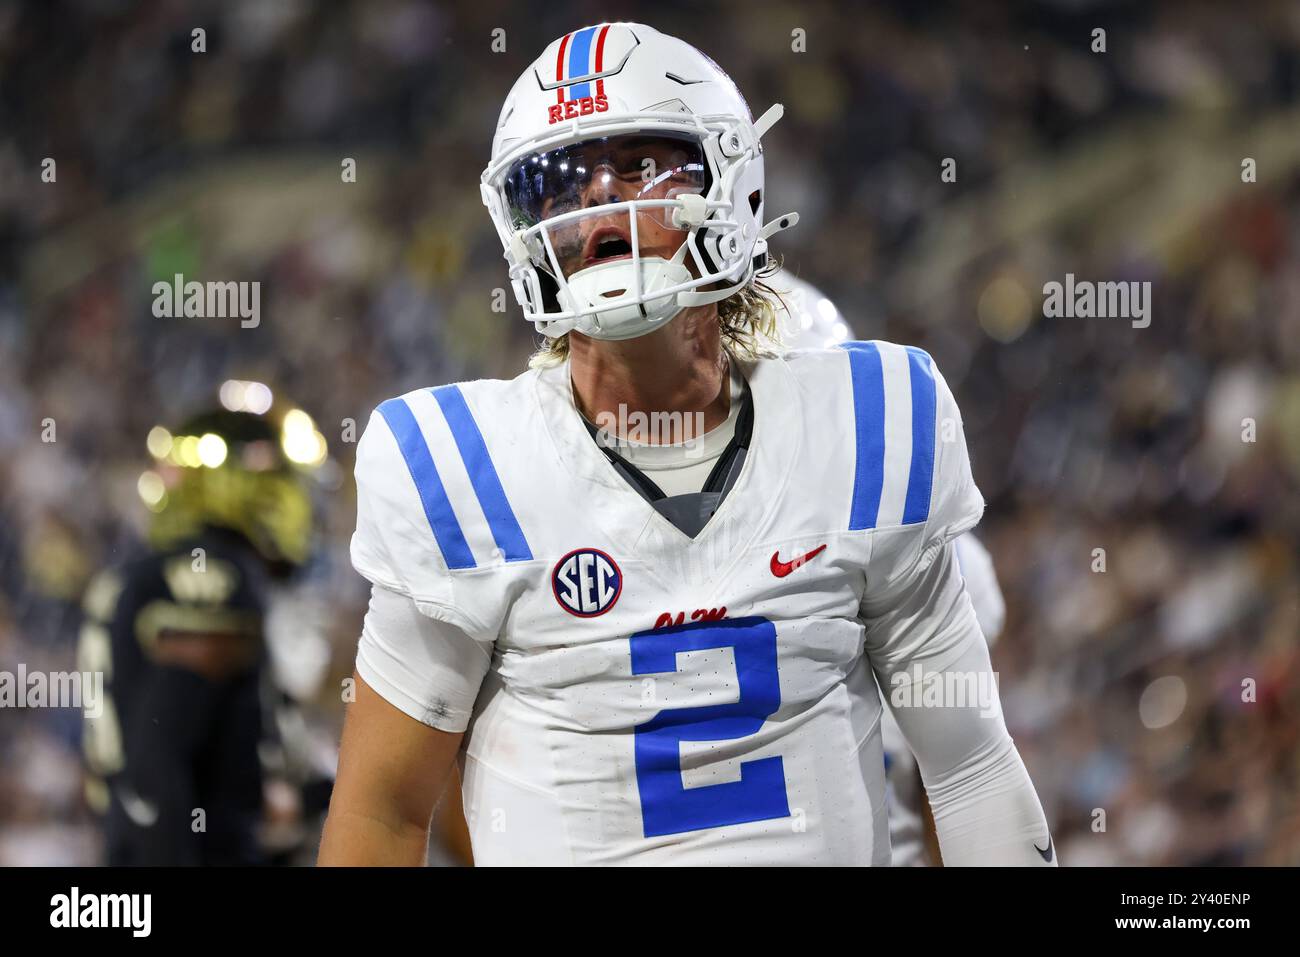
583,61
586,582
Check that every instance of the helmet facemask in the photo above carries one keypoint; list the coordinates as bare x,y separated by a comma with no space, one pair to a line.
614,233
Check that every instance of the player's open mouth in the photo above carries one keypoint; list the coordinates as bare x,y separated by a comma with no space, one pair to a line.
605,245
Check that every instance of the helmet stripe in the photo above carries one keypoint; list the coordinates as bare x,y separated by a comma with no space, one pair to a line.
580,62
600,59
559,68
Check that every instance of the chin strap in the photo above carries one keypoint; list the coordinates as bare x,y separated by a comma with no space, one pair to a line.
688,299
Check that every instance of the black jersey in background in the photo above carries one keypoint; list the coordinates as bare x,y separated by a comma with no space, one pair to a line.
173,755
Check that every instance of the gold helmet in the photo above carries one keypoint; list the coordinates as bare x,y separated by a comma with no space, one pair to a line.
244,466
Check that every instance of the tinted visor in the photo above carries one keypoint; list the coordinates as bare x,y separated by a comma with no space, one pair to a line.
607,169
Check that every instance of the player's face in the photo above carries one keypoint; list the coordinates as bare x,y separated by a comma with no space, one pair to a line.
601,172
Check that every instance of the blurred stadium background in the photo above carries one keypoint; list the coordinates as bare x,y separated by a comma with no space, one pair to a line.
1123,689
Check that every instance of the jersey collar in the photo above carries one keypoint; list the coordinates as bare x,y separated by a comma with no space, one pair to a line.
631,523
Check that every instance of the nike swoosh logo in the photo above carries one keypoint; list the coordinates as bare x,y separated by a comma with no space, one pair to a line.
1045,852
780,569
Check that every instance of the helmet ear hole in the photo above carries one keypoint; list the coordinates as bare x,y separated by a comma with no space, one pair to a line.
550,291
702,247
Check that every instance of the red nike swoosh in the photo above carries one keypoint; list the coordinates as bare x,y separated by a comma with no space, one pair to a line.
780,569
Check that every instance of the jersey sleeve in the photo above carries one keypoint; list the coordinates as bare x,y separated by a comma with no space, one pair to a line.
915,492
395,545
427,669
956,502
918,492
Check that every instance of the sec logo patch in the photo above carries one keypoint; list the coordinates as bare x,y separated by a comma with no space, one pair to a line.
586,582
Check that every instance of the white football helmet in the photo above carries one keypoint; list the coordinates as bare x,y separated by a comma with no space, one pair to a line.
619,123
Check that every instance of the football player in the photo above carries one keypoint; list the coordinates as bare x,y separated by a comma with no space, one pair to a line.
641,589
808,319
175,750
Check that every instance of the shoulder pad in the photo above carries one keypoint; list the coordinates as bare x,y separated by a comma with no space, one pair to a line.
431,501
911,467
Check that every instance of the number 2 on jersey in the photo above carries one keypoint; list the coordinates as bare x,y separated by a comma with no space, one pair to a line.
667,806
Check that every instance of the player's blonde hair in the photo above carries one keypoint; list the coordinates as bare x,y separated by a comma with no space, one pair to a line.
747,319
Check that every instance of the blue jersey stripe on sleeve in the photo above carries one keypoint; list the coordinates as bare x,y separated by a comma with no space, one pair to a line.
920,479
869,427
437,507
483,474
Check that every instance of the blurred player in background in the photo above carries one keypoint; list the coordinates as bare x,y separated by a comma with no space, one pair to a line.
184,758
810,320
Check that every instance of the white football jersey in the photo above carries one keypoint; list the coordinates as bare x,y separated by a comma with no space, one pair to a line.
654,698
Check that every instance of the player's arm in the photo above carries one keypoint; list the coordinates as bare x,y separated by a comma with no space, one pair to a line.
417,679
420,663
391,770
984,805
976,566
930,656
